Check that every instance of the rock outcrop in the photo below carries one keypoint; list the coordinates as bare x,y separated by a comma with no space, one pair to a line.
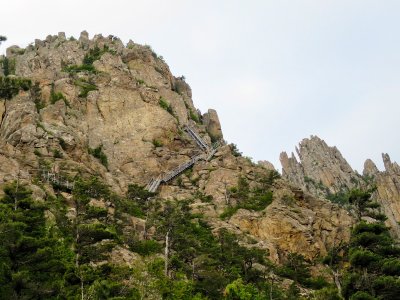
315,225
387,189
323,171
120,112
211,121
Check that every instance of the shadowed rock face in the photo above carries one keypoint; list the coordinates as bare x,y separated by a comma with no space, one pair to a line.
135,110
322,171
387,189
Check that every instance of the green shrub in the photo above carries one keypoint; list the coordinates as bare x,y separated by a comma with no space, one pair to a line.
340,198
297,268
80,68
391,266
251,199
146,247
85,87
327,293
316,283
370,240
92,233
235,150
10,87
228,212
63,144
361,295
95,252
8,66
157,143
140,81
258,202
387,287
204,198
96,212
57,153
36,94
194,116
90,57
138,194
85,189
129,207
99,154
165,105
363,258
377,228
55,96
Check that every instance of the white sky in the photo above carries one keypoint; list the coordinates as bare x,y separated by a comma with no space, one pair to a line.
276,71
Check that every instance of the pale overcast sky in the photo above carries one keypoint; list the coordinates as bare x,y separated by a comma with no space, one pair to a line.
276,71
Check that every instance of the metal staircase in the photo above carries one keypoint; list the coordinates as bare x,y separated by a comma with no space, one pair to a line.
194,135
171,175
53,177
153,185
57,179
209,152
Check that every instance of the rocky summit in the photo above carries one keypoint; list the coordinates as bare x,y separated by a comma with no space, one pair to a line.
322,171
139,196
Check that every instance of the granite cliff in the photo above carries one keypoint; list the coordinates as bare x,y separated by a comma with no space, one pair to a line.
324,172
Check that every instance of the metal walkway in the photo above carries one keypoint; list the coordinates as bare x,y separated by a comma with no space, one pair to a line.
53,177
171,175
154,183
194,135
209,152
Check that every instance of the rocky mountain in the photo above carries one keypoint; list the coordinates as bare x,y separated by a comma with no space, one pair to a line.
322,171
86,124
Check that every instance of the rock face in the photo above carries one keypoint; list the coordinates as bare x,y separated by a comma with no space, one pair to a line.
387,189
121,114
315,225
266,164
126,104
323,171
211,121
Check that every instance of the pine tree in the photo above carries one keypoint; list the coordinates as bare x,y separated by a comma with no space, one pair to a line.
32,261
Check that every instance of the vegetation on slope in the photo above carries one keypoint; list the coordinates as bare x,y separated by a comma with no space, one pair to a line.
370,263
10,87
49,253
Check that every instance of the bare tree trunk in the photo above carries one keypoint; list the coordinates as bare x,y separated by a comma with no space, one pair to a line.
145,226
166,252
16,192
337,281
270,290
193,269
82,294
227,196
77,236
